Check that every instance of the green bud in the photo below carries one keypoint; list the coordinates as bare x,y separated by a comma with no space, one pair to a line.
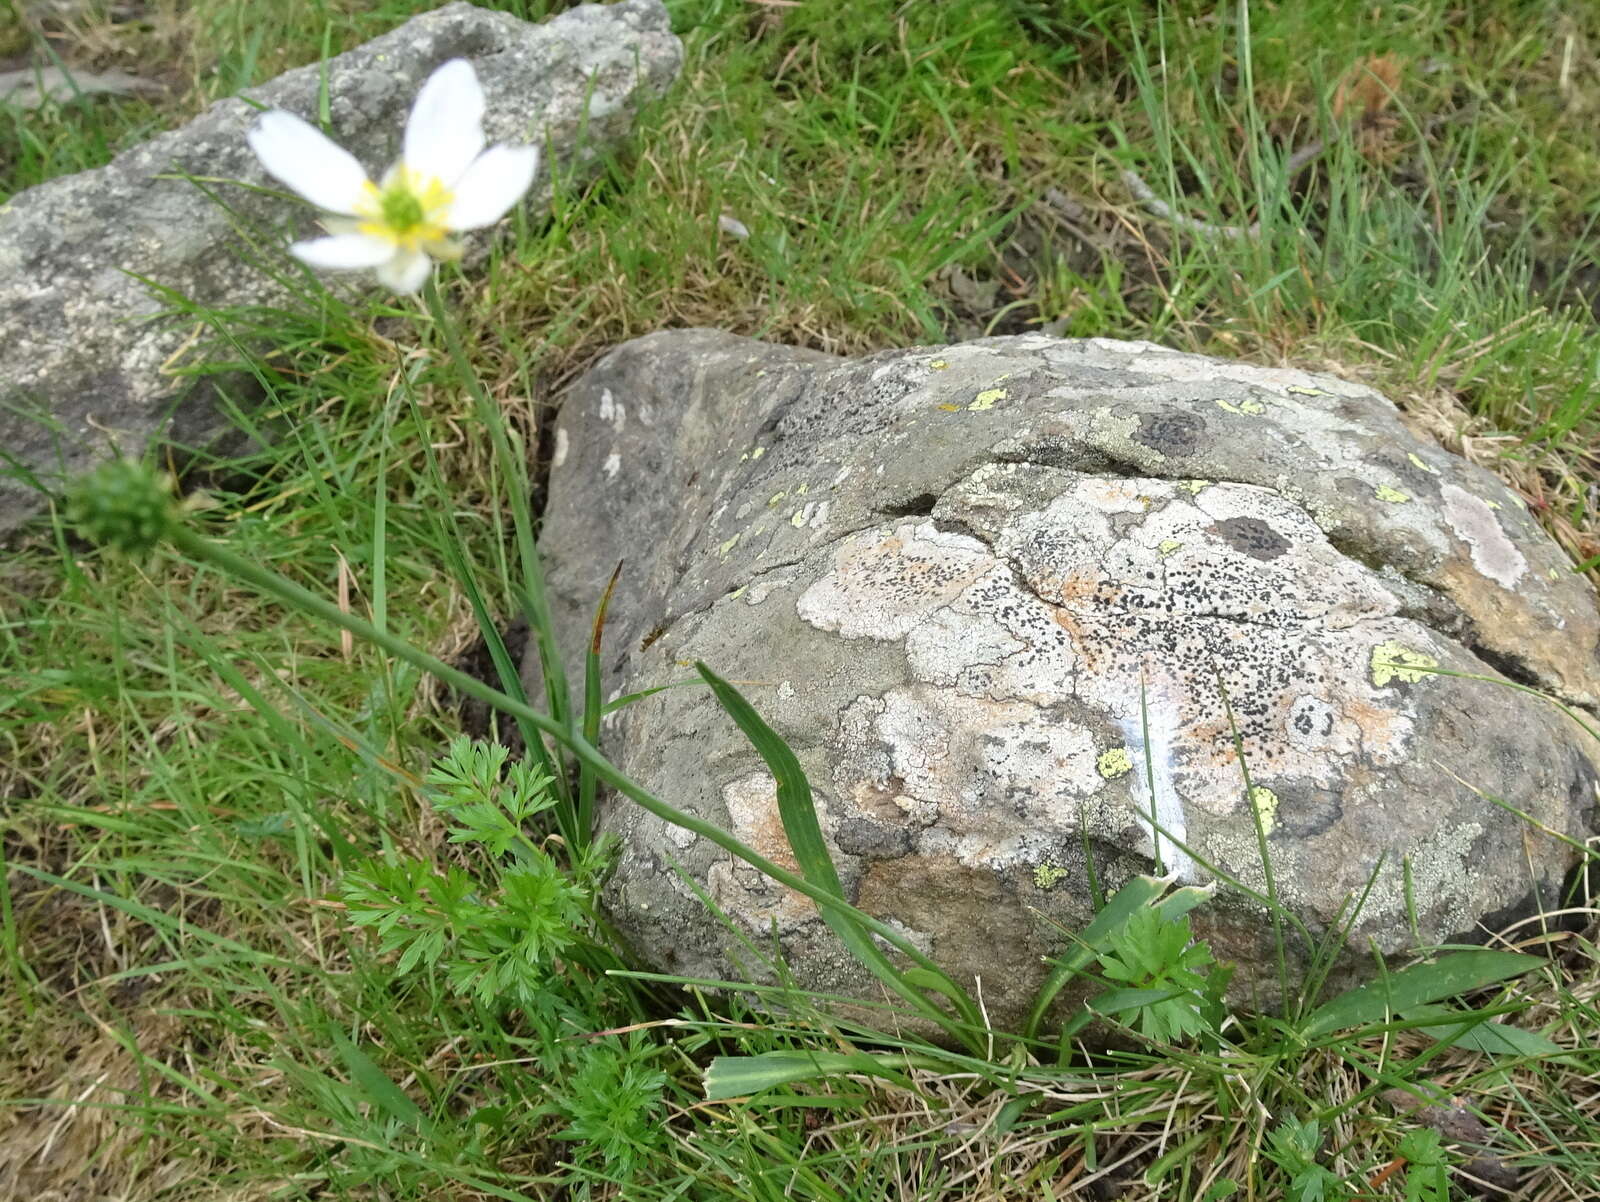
122,504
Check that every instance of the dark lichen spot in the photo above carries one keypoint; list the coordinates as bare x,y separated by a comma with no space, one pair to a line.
1253,537
1305,810
1170,433
859,836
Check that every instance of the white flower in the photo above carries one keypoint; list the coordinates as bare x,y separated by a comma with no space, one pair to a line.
445,182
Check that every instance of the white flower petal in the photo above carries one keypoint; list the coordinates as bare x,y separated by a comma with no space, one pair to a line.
344,251
302,157
406,271
445,130
493,183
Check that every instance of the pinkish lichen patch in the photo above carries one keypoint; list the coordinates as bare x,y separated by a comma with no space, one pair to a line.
1493,554
884,584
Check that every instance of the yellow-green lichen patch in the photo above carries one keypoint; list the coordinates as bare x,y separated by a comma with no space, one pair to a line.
728,546
1555,573
1302,390
802,490
1195,486
1114,763
1244,408
799,519
949,408
1392,495
1492,504
1048,876
1392,660
987,399
1167,546
939,364
1418,461
738,592
753,453
775,498
1265,802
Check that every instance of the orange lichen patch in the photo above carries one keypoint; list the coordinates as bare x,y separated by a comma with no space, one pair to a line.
753,815
963,750
1385,732
1115,495
1081,643
1081,590
881,799
940,897
752,803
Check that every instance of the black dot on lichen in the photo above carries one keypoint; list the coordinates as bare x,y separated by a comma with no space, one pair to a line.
1252,537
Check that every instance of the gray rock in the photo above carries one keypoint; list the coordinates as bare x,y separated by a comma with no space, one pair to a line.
84,352
994,595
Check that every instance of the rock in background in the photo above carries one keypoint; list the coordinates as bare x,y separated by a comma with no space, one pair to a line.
995,594
82,345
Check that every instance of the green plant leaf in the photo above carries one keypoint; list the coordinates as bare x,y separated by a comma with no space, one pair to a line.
592,708
376,1085
1120,1001
1113,916
741,1076
1449,976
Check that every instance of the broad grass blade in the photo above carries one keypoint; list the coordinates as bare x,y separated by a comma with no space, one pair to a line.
798,813
1450,975
592,710
740,1076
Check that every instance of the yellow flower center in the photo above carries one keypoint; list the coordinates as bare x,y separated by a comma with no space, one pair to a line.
408,211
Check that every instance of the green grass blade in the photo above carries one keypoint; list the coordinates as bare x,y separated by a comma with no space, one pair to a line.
593,709
376,1086
510,677
1479,1033
623,702
540,622
506,669
795,805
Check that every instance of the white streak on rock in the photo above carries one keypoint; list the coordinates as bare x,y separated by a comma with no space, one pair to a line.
1163,819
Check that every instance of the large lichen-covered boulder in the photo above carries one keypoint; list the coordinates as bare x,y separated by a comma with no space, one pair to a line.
1018,603
84,354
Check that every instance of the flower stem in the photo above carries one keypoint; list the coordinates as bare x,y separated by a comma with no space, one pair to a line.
535,599
273,584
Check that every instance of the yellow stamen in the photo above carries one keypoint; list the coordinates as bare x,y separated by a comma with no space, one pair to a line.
408,211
